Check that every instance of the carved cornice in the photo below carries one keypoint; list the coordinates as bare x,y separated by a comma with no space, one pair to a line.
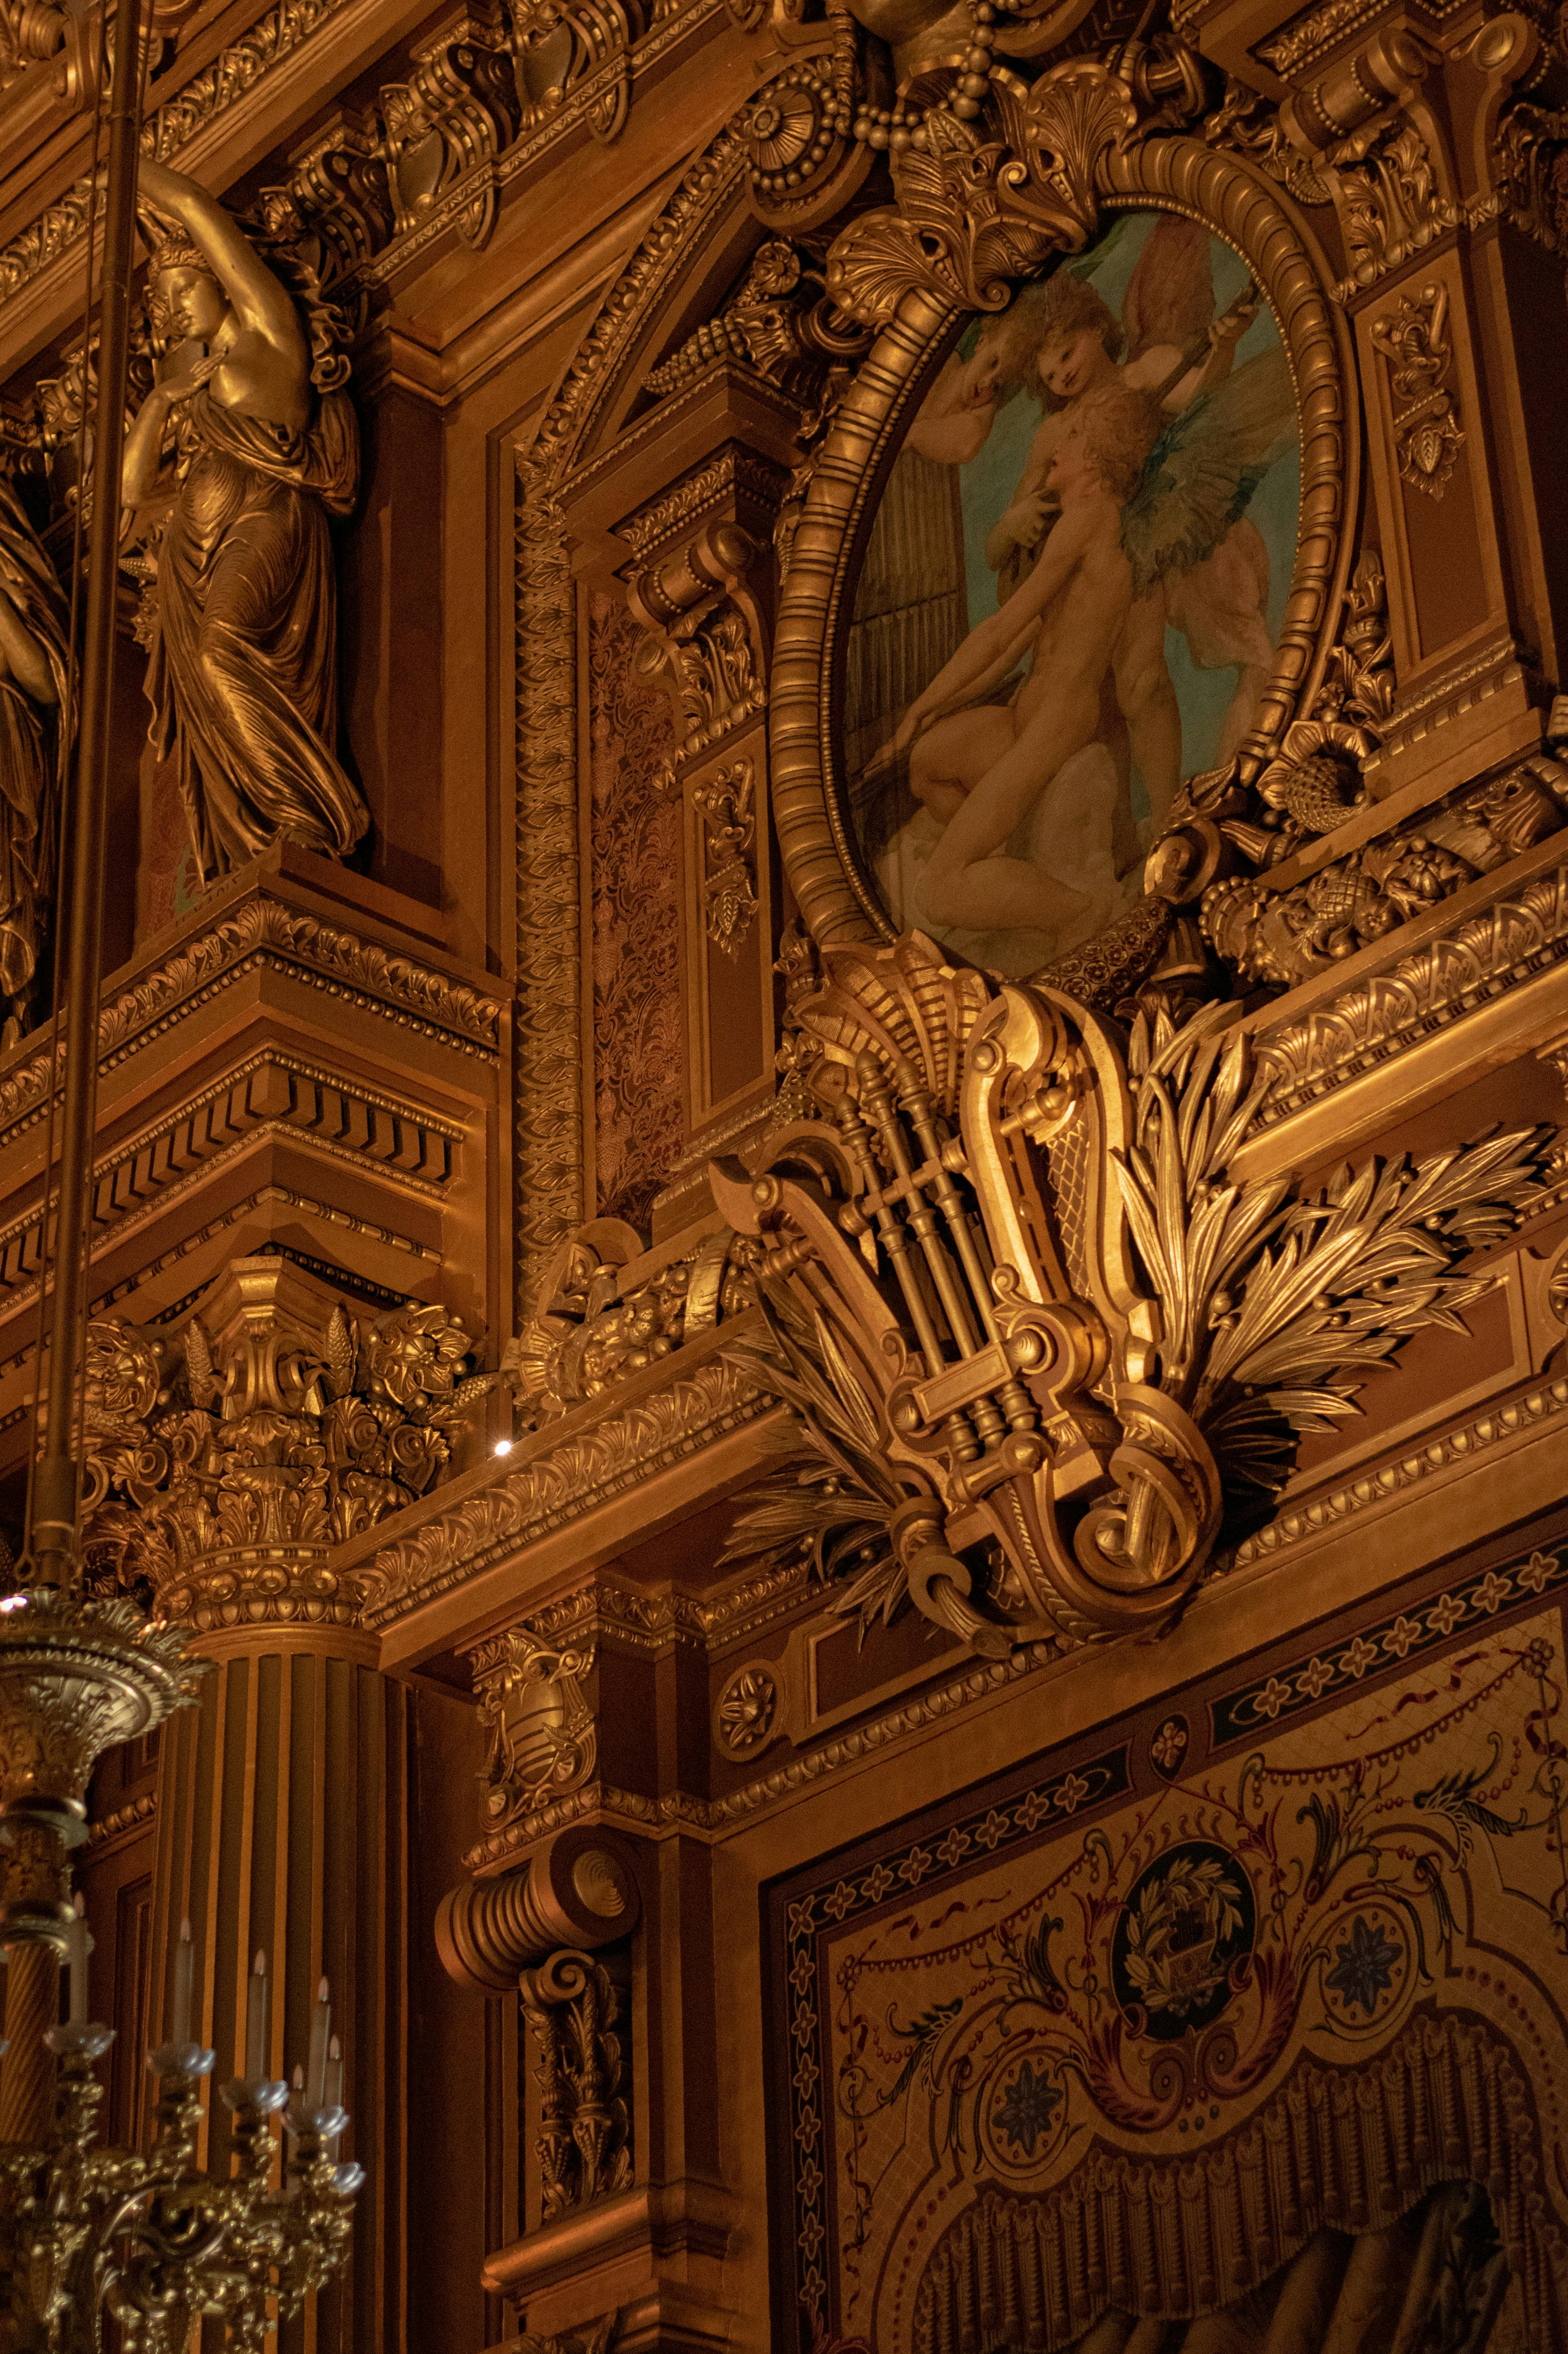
604,1802
262,931
273,40
630,1619
601,1318
469,89
272,1095
1279,936
564,1480
132,1817
1451,973
1436,1458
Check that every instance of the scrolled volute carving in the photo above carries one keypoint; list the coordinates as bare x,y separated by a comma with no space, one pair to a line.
576,2011
589,1329
1037,1340
579,1891
223,1465
449,122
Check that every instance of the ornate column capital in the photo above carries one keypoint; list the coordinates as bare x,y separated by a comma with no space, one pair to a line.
227,1460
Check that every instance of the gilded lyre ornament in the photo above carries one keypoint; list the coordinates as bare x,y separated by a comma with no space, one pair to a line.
36,723
242,676
1413,338
1036,1337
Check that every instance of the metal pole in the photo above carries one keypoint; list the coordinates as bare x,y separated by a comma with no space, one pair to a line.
56,1489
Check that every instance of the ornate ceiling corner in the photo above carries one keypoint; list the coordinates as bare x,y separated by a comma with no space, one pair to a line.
1039,1341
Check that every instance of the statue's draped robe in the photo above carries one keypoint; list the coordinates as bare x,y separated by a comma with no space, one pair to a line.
243,676
35,743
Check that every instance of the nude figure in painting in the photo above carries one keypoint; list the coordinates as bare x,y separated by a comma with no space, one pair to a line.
985,769
1071,343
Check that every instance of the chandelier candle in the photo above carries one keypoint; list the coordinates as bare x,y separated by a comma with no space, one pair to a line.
256,2023
185,1986
321,2030
80,1945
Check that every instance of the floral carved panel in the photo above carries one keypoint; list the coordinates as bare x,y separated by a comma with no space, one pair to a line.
636,849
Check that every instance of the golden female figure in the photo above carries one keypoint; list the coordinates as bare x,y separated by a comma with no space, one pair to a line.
243,674
35,744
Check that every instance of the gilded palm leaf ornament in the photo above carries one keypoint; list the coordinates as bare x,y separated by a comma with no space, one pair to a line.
1038,1339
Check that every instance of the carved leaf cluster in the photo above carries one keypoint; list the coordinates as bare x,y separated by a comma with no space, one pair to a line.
1274,1305
275,1444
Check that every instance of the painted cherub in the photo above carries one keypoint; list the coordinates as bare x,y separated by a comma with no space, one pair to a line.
985,769
1068,338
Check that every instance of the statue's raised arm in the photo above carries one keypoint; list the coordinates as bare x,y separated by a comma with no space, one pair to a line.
242,678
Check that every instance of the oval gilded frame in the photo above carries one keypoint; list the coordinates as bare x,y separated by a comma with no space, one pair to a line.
837,899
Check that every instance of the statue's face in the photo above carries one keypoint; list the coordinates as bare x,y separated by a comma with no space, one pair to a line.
194,304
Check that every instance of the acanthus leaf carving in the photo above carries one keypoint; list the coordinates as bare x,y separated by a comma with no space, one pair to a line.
222,1467
1413,338
576,2012
1110,1342
727,811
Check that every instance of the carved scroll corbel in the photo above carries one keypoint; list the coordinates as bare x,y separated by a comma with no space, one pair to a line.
707,644
449,122
542,1933
579,1891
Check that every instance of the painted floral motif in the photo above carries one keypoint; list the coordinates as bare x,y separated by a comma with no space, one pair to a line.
1168,1746
1363,1966
1189,1921
989,1994
1027,2107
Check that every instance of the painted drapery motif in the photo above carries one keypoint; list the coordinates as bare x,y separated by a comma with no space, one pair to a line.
1072,591
1145,1984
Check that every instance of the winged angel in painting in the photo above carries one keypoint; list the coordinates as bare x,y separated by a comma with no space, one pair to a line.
1059,619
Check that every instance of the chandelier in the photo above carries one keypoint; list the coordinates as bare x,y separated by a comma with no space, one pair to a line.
145,2235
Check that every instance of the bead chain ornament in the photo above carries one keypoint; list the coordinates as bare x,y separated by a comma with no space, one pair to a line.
903,125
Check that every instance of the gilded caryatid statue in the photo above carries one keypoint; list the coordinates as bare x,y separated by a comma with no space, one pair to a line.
243,673
35,743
